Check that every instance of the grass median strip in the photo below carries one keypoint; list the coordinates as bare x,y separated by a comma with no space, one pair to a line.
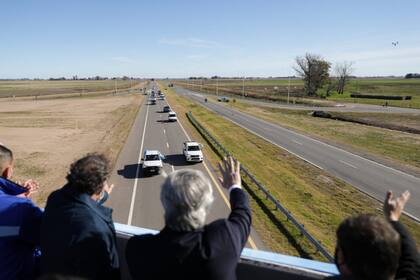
316,199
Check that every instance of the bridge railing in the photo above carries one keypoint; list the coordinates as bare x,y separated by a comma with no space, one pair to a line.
224,152
254,264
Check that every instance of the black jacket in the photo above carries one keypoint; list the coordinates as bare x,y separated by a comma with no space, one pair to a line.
78,237
211,252
409,263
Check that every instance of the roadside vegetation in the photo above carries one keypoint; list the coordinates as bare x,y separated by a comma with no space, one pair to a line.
315,198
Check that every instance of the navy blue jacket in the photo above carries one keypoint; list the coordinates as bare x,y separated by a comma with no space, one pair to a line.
211,252
78,237
20,222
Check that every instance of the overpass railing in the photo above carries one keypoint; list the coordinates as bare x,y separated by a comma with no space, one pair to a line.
254,264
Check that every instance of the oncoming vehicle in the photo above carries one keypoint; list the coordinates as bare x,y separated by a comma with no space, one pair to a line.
166,109
162,96
192,151
172,116
223,99
152,162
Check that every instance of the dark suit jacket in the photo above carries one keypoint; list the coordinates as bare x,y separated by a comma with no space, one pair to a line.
409,262
211,252
78,237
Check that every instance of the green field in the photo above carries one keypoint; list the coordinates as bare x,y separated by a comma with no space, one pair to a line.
10,88
277,90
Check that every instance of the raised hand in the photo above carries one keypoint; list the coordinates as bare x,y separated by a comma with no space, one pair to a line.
231,172
393,207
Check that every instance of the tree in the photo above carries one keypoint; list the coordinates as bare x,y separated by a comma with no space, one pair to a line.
343,72
314,71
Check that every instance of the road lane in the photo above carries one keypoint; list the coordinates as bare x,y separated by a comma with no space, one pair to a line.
370,177
166,137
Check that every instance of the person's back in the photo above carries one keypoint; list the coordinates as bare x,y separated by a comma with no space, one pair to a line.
185,248
20,221
77,233
206,253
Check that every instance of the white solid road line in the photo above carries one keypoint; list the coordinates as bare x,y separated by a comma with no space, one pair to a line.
133,196
346,163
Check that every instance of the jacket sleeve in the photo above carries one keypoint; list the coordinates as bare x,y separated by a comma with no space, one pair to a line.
409,263
239,221
30,227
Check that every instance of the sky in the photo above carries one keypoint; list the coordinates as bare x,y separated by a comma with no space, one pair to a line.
54,38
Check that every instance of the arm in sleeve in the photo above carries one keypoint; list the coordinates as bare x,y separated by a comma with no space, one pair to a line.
239,220
30,227
409,263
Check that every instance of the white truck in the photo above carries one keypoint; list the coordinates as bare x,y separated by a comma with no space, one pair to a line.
152,162
193,151
172,116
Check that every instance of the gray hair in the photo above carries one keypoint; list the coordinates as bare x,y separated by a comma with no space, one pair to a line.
186,197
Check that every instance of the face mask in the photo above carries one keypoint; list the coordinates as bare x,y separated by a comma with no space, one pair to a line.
104,198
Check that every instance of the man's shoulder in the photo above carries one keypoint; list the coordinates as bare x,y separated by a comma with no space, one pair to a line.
21,204
139,240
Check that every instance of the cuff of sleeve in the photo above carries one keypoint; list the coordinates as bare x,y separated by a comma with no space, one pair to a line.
234,187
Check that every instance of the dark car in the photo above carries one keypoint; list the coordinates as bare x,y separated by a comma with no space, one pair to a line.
166,109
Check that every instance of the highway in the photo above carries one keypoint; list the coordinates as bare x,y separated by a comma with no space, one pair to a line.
136,197
370,177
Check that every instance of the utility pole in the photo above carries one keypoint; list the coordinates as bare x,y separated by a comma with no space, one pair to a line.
243,86
217,86
115,86
288,91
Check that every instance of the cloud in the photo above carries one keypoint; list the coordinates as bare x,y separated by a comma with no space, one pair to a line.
122,59
192,43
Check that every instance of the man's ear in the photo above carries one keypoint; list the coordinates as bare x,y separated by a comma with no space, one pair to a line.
8,172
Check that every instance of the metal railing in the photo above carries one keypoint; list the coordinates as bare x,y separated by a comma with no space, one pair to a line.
262,188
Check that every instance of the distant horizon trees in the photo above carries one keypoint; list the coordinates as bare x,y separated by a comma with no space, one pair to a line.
412,76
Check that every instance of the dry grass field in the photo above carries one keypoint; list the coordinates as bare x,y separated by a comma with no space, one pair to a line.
47,135
10,88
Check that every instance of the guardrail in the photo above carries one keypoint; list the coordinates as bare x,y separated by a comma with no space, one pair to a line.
262,188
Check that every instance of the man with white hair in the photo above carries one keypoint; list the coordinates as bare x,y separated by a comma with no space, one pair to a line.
186,248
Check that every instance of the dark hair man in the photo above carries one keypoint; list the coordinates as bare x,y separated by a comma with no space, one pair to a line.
77,233
20,221
370,247
186,248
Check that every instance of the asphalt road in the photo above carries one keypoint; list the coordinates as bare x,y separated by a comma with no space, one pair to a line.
135,198
340,107
370,177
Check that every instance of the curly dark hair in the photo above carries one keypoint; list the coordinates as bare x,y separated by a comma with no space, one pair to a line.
89,173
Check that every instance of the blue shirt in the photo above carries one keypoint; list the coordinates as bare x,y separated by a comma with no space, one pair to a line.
20,221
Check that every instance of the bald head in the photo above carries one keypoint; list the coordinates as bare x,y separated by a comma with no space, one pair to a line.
6,161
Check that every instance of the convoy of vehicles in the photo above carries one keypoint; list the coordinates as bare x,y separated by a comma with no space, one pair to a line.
152,161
